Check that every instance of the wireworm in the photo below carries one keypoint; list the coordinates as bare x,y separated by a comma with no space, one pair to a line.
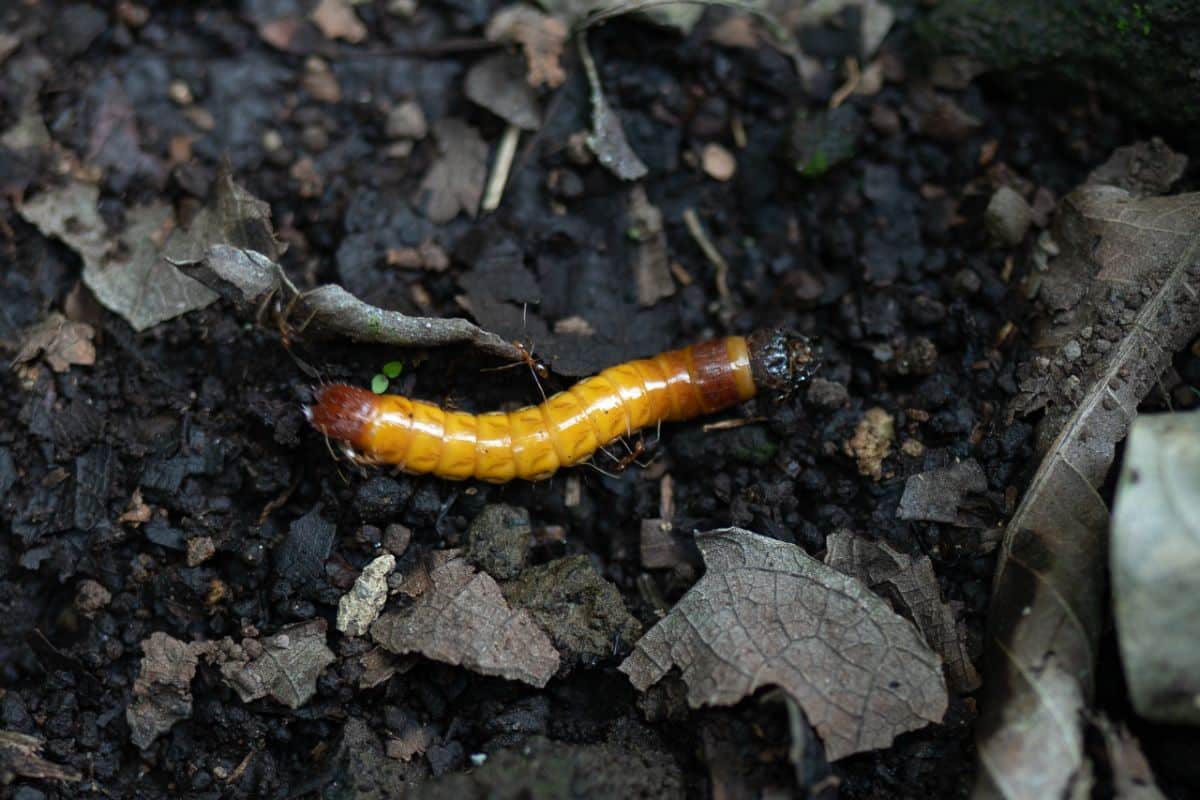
533,442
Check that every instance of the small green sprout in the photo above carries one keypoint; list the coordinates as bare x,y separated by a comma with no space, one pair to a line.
381,380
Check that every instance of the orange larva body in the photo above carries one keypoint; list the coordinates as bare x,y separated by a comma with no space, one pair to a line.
533,442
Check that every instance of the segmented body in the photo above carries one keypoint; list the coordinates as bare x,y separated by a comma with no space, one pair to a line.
533,442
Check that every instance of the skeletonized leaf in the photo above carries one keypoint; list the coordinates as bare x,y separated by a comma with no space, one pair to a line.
766,613
464,619
1122,297
912,582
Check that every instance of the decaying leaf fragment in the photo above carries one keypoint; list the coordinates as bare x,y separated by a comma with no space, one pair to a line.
162,693
464,619
126,273
1120,300
766,613
455,181
542,37
911,583
1154,558
285,665
61,342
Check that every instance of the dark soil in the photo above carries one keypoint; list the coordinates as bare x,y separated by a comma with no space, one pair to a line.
202,414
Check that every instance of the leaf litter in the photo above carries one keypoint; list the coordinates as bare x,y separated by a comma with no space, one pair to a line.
125,271
766,613
60,342
1121,298
454,182
912,585
464,619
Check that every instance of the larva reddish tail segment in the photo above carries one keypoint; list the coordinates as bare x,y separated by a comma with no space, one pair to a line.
532,443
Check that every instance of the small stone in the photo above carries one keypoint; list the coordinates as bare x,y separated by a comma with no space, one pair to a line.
500,540
827,394
396,539
719,164
360,607
1072,350
272,140
1008,217
180,94
407,121
199,550
967,281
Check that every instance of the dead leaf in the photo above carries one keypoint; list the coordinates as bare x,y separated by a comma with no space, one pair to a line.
20,755
541,36
607,138
937,495
1155,548
128,276
162,693
61,342
912,584
766,613
285,666
872,441
1117,303
465,620
455,181
359,607
497,83
651,262
230,216
336,20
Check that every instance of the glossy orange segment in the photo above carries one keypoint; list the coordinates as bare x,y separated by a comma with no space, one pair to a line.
535,441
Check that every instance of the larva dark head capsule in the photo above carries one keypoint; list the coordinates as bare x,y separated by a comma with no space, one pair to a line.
781,360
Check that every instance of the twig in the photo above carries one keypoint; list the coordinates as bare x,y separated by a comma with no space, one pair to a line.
696,229
500,169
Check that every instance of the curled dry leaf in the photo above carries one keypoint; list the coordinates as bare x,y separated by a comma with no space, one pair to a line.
464,619
607,138
1120,300
231,248
1154,554
541,36
766,613
61,342
912,584
455,180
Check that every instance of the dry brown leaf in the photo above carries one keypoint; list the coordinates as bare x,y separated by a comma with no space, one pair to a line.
937,495
60,342
285,666
128,276
912,583
1120,300
162,693
541,36
766,613
336,20
497,83
464,619
20,755
455,181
